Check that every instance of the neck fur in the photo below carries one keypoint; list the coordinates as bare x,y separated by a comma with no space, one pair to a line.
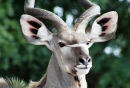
56,78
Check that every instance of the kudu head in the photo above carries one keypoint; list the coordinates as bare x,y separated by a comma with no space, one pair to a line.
70,46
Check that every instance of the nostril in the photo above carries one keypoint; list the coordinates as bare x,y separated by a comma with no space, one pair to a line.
84,60
81,60
89,60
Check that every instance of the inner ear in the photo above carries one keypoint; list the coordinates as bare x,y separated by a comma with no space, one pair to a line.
103,21
35,24
104,28
34,31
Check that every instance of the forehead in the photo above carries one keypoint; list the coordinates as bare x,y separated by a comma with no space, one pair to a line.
73,37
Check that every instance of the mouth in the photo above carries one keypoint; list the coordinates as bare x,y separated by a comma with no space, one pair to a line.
83,69
81,66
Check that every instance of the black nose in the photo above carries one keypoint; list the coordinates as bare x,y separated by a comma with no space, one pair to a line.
84,60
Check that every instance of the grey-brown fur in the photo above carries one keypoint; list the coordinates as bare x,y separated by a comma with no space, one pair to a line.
70,62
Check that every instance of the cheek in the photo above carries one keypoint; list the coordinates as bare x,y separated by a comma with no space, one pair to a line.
66,52
69,57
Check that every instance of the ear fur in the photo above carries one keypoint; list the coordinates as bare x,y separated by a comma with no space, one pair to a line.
34,31
104,27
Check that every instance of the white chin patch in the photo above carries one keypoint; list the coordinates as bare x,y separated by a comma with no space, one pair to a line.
82,69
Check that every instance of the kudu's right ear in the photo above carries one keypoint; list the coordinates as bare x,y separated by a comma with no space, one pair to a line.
35,31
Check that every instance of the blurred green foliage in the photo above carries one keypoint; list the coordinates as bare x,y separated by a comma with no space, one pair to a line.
111,60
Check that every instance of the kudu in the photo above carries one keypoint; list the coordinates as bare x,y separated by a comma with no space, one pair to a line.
70,60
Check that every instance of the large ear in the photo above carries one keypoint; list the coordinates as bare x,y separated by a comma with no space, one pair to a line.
34,30
104,27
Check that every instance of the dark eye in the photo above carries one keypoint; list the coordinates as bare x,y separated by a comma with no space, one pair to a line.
61,44
88,43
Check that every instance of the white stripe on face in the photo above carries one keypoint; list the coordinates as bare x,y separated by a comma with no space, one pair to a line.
77,45
83,47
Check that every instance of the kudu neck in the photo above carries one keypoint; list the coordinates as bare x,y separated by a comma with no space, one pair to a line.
56,78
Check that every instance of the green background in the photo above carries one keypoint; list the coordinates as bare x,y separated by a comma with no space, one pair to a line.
28,62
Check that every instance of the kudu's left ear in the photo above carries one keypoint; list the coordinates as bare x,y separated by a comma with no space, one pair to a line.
34,30
104,27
